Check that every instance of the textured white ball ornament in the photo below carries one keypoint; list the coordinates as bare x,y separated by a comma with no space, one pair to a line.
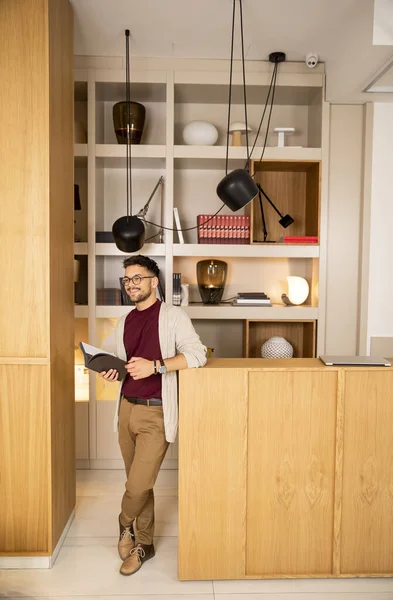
200,133
277,347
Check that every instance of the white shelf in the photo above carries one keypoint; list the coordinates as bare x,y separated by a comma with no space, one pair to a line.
80,248
220,312
137,151
107,249
248,250
144,156
112,312
277,312
240,153
227,250
81,311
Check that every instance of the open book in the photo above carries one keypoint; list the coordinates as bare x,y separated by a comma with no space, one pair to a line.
98,360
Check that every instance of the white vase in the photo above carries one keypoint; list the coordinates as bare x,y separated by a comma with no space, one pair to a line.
184,294
277,347
200,133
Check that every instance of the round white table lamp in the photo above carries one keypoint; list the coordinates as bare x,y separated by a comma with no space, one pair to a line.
298,289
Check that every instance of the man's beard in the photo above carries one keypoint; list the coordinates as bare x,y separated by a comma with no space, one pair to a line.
141,296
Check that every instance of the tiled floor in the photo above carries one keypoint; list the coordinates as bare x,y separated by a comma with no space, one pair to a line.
88,563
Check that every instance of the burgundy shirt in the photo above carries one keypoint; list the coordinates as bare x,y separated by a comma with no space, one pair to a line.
141,339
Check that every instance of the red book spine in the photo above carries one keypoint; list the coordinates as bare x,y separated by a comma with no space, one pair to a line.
243,229
226,229
237,236
199,230
215,230
301,239
208,231
204,229
231,232
247,219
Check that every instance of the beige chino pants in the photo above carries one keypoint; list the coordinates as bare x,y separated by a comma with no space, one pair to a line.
143,447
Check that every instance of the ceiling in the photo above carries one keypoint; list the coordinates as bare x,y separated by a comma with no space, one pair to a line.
340,31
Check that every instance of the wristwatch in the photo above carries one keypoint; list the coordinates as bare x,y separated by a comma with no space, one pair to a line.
162,368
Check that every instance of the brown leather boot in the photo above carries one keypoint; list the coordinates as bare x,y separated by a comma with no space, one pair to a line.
126,540
138,555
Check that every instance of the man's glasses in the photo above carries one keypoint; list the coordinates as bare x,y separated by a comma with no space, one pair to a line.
136,279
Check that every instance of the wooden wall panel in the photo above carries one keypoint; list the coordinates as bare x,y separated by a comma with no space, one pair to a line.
63,441
61,198
291,465
37,460
25,511
367,503
24,175
212,464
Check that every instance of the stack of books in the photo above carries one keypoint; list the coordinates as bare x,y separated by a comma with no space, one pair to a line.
176,296
299,239
223,229
252,299
108,297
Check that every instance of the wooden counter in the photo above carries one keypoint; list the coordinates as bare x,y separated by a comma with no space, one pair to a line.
285,470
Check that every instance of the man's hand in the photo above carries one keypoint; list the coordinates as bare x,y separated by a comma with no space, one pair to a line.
139,368
111,375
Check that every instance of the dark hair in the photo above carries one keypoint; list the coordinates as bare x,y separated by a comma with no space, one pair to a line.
142,261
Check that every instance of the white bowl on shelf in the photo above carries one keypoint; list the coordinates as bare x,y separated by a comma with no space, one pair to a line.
200,133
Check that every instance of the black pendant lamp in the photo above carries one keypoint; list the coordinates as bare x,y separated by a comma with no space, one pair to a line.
129,231
237,188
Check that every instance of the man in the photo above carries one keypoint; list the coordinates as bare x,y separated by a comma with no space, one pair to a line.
157,340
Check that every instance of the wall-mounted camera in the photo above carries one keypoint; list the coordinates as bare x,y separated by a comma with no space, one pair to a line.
312,60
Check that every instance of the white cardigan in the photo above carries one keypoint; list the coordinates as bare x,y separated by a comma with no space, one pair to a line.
177,336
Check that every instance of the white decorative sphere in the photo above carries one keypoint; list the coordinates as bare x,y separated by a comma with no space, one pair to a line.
200,133
277,347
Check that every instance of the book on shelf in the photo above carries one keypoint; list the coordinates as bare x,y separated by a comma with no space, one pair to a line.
178,225
98,360
239,302
223,229
109,297
252,295
252,299
299,239
160,291
125,299
176,297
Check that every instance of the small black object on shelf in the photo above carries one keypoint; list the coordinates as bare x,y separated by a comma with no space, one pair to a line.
77,198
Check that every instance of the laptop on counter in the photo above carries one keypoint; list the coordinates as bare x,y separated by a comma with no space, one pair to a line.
355,361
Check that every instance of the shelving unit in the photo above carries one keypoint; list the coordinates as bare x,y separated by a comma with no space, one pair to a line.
300,333
174,93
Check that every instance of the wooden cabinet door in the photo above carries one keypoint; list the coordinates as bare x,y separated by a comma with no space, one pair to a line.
367,498
291,472
212,473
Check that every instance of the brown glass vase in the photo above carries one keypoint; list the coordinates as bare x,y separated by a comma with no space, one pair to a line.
211,277
137,121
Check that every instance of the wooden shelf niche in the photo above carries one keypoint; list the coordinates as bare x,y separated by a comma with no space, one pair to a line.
301,334
294,188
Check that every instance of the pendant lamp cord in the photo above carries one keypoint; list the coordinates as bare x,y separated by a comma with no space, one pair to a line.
270,112
272,82
244,79
230,86
128,101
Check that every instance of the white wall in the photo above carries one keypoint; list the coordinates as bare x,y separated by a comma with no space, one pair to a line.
344,228
380,283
